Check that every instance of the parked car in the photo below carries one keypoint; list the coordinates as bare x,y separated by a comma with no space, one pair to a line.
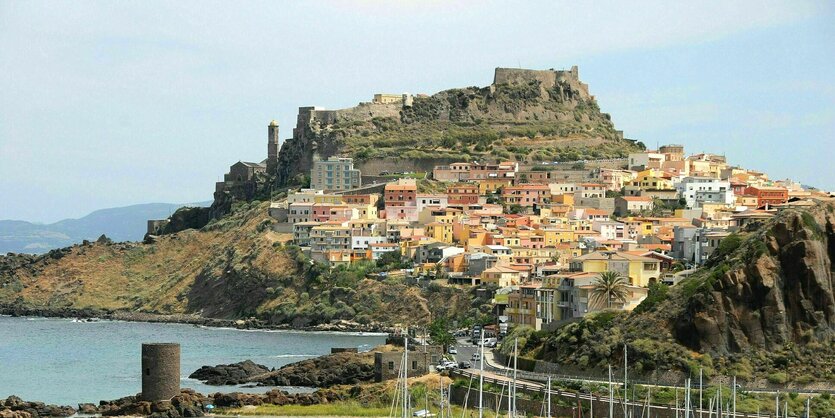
452,350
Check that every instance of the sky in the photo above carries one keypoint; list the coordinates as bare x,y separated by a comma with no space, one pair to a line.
106,104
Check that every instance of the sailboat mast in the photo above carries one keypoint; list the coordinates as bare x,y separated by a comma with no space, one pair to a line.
734,397
777,405
406,374
481,378
548,391
611,395
701,389
515,357
625,372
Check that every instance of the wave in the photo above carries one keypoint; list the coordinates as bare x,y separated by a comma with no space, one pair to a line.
294,355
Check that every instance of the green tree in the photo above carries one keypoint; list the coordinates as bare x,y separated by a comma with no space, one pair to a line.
609,286
439,332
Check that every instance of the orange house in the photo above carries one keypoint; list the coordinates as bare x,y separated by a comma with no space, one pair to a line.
462,194
768,195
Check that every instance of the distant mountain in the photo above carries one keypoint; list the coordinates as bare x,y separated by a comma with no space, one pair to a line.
127,223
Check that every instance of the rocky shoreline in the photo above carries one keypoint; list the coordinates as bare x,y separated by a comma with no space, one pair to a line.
18,310
187,404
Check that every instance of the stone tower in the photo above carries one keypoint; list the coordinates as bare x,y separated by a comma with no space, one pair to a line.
272,147
160,371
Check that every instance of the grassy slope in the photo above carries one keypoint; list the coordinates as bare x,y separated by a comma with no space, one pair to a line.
235,267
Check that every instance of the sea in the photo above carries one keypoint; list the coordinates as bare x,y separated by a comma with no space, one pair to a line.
67,362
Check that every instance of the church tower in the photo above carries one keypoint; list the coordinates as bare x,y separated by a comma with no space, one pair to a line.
272,147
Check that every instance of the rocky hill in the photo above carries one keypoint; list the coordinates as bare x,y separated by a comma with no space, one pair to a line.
763,308
234,268
524,115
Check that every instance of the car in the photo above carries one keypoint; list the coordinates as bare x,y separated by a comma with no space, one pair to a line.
464,365
476,357
440,367
449,364
452,350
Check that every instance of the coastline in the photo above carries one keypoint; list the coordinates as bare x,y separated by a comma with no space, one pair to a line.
18,310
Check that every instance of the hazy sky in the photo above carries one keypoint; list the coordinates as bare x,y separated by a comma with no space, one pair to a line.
113,103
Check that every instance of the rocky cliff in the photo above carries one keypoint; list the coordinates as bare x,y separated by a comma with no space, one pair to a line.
764,307
523,115
775,289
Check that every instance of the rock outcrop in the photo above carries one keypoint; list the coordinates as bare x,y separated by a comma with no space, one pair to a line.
325,371
776,289
14,407
229,374
455,124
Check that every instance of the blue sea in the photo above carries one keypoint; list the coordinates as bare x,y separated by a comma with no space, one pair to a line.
64,362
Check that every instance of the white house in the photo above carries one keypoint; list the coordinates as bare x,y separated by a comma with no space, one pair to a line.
698,190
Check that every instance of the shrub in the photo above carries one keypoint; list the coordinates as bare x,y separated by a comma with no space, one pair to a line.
728,245
657,294
778,378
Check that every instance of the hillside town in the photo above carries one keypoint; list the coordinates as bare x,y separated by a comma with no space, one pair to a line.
537,236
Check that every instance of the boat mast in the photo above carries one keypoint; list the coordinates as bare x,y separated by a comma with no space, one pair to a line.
611,395
625,372
734,397
701,389
481,378
777,405
515,357
548,391
406,374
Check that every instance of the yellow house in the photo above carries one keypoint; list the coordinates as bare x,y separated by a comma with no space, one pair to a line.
486,186
653,183
364,211
640,270
501,276
554,236
563,199
441,232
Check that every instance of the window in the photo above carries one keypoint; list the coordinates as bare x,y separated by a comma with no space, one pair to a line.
391,365
414,365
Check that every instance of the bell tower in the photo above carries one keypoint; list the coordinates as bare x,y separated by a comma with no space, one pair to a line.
272,146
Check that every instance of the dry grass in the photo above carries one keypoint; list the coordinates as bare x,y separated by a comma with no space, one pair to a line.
150,277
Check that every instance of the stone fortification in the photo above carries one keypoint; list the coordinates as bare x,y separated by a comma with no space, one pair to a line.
547,79
160,371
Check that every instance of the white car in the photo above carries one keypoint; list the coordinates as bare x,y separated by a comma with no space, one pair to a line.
452,350
476,357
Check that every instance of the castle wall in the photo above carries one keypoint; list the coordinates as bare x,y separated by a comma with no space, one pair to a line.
548,78
375,166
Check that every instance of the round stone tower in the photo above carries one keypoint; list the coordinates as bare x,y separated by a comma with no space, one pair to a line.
160,371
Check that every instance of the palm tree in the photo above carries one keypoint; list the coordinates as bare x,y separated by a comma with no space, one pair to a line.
610,285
